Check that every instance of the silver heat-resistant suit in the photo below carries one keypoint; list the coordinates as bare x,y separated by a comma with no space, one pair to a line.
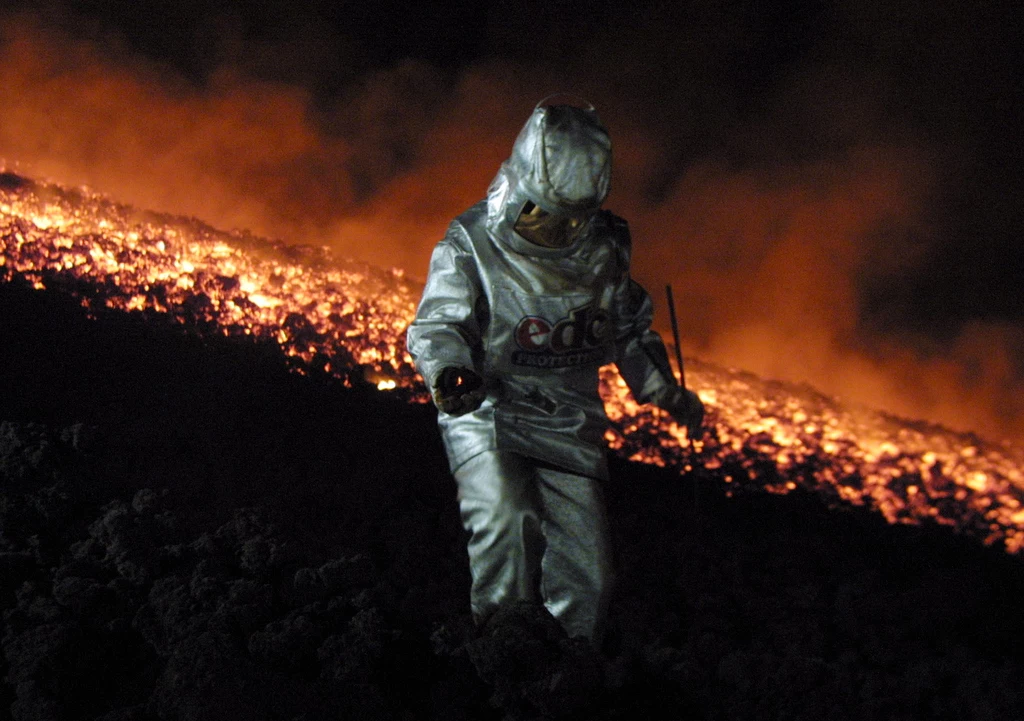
516,331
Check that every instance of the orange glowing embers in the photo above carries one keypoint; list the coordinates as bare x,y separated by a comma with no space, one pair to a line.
349,320
345,317
780,437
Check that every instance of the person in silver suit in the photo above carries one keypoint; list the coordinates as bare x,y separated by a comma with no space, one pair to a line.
527,295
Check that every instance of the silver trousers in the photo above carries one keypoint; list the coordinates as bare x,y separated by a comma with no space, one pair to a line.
538,533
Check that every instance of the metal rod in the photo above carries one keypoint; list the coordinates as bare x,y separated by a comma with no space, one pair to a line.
675,334
682,382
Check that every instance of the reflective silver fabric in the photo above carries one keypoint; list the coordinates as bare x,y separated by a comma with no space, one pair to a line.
563,158
536,323
537,533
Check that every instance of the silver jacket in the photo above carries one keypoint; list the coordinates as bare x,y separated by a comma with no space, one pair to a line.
536,323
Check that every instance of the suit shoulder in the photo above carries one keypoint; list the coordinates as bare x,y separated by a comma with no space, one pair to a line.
464,231
616,226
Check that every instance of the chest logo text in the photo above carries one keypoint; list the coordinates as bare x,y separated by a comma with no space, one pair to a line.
575,340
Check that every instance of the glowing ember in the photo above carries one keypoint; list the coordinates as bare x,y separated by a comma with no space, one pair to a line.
349,320
780,437
346,319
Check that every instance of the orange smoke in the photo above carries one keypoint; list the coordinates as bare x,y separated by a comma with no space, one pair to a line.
768,264
229,153
378,176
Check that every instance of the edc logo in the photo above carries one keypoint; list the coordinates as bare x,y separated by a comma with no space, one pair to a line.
586,327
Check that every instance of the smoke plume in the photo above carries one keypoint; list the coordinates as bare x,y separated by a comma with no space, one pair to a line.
798,203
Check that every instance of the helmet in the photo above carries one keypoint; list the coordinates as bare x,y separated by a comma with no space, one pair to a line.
558,175
563,158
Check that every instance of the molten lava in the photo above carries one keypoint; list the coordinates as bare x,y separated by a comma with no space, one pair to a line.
349,320
337,317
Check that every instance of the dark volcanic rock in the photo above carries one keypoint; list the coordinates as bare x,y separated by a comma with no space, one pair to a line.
533,667
190,531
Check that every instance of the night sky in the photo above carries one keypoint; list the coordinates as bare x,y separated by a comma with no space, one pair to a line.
834,189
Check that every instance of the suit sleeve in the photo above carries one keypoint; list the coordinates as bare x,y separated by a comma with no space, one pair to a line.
446,330
639,351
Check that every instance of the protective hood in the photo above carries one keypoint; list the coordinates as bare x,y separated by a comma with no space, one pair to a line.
561,161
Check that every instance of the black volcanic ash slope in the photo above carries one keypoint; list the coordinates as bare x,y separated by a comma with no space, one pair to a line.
189,531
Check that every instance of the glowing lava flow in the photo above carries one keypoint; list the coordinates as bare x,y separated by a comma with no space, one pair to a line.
349,320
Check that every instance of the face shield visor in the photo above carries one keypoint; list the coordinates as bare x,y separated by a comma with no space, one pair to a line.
551,230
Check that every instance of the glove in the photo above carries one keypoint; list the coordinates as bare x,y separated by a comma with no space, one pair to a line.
684,406
458,391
